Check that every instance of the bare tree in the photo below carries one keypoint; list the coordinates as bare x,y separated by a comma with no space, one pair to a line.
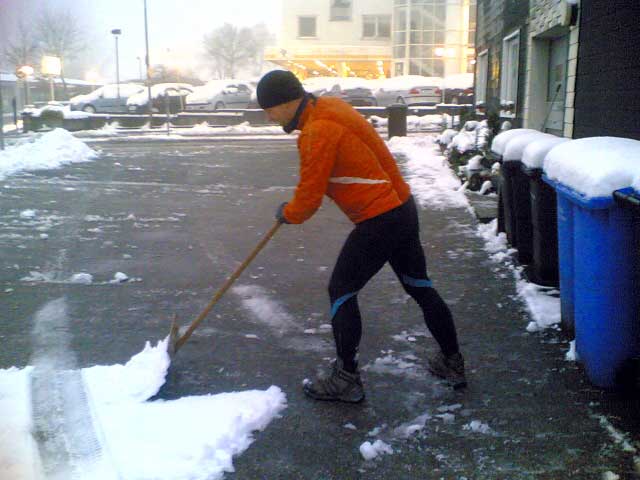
21,50
262,37
61,36
230,48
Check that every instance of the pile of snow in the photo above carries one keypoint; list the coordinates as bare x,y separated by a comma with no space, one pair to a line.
50,150
192,437
596,166
500,141
369,450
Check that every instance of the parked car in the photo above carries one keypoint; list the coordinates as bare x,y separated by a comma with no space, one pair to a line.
218,94
410,90
177,92
459,89
105,99
356,91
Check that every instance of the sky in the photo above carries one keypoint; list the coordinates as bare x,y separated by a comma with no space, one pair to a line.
176,29
173,440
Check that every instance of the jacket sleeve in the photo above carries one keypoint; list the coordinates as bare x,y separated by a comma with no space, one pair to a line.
318,148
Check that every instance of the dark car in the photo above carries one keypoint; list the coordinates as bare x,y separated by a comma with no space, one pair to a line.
177,93
356,91
459,89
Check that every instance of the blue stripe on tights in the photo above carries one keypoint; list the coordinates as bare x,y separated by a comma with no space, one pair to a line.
338,303
416,282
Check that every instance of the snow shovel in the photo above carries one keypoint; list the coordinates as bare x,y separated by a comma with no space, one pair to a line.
175,340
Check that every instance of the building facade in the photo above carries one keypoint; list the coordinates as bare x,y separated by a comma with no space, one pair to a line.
334,38
433,38
375,38
527,61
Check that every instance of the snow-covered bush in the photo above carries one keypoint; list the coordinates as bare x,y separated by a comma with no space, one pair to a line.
466,151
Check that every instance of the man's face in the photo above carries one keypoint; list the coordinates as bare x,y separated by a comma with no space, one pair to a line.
282,114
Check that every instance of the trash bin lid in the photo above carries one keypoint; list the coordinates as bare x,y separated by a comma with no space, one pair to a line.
514,148
534,152
595,166
500,140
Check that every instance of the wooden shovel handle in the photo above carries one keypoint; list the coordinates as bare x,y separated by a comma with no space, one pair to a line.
267,236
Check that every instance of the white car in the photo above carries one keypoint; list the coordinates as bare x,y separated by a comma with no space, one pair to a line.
409,90
219,94
105,99
177,92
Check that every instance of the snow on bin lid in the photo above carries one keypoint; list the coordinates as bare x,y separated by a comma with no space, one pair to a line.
514,148
595,166
534,153
500,141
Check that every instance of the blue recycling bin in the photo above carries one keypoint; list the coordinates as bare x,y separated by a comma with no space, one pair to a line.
599,245
565,264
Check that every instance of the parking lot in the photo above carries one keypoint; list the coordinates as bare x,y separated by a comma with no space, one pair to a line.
177,218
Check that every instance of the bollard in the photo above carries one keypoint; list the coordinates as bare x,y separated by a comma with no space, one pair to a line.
397,120
168,111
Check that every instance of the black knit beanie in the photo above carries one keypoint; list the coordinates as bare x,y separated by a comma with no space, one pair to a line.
278,87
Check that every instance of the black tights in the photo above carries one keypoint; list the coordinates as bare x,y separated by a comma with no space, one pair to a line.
391,237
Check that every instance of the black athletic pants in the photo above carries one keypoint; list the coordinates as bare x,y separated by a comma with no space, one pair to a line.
393,237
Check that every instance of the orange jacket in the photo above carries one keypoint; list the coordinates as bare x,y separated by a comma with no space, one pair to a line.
342,156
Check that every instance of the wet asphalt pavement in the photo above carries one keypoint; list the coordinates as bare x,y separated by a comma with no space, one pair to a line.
178,218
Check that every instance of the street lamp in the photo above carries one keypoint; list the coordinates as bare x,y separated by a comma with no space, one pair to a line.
116,32
146,61
51,66
23,73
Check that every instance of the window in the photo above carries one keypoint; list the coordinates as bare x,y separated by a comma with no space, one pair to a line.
509,77
340,11
482,68
306,26
376,26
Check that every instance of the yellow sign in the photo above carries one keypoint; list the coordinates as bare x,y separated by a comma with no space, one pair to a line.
51,65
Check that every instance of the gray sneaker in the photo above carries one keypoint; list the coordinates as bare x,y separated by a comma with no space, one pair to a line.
450,368
340,385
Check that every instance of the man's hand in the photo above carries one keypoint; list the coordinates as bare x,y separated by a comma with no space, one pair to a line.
280,213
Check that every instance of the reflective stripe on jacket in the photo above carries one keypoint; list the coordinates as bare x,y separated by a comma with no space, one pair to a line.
342,156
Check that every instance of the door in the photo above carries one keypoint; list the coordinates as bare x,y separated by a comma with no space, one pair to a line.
557,85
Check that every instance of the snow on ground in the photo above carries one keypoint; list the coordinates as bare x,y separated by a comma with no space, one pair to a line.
44,151
196,437
543,303
264,309
192,437
432,181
